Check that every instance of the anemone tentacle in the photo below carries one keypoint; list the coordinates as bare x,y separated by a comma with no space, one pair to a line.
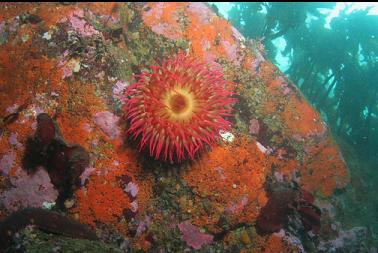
178,107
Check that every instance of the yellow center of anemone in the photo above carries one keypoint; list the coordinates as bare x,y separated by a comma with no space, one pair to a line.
180,104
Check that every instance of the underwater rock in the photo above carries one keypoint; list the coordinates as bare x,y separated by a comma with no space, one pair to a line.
6,162
29,190
14,141
85,175
76,61
119,90
143,226
254,127
353,240
78,22
14,112
192,235
107,121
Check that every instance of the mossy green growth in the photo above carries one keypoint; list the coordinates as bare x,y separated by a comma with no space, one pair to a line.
35,241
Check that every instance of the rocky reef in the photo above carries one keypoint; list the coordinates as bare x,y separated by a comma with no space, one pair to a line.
269,184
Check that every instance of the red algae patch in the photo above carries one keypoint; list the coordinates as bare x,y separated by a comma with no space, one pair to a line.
274,243
101,201
302,119
105,197
210,36
163,18
192,236
324,169
232,178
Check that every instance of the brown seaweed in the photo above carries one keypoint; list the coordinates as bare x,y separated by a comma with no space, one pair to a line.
64,163
44,220
286,199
